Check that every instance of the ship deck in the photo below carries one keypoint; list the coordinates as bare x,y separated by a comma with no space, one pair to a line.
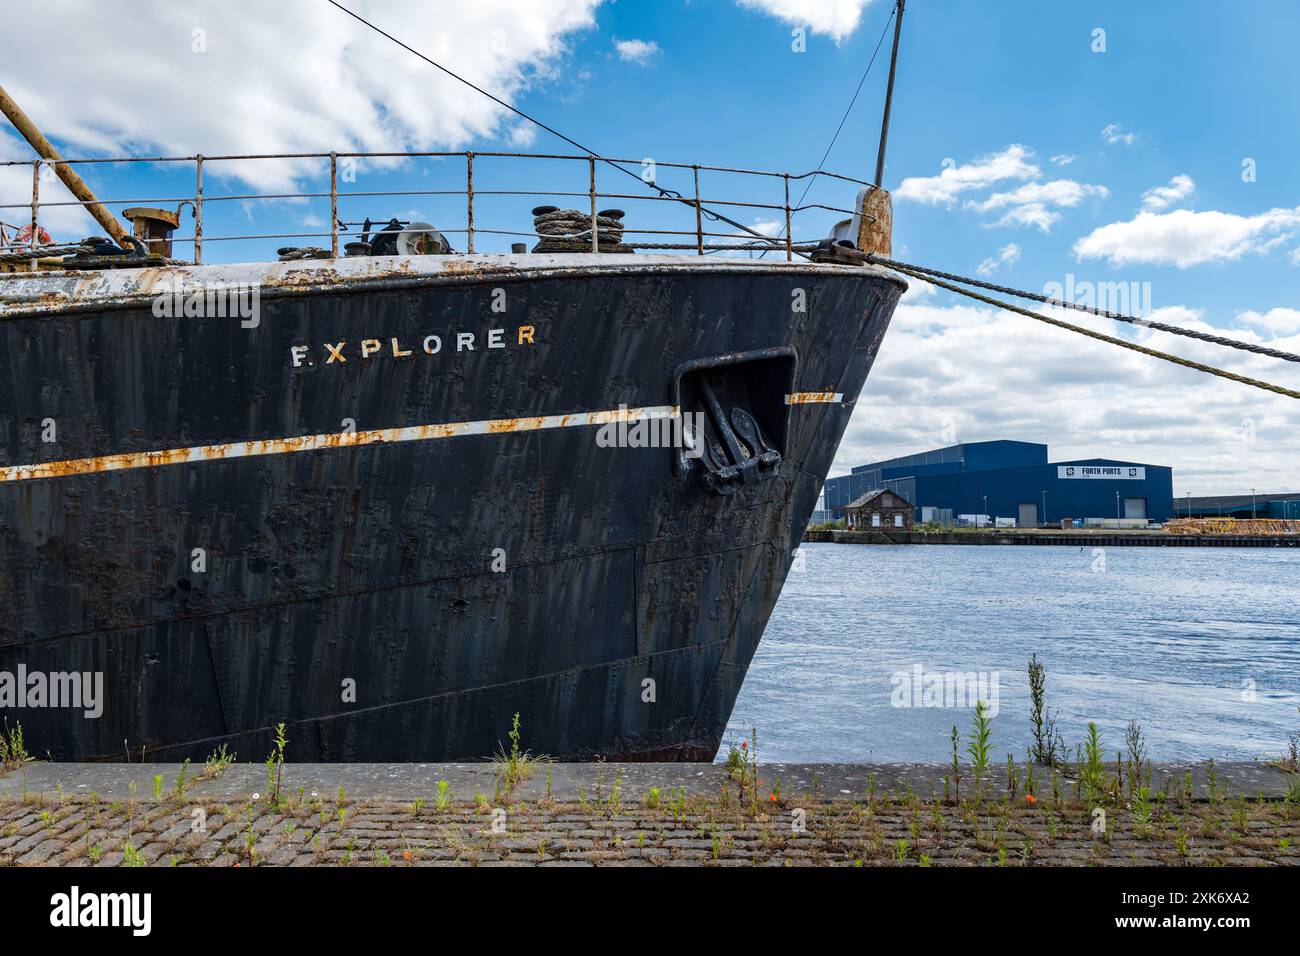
23,294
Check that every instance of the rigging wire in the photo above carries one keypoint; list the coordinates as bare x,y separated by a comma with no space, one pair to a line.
1099,336
843,119
1117,316
918,272
667,193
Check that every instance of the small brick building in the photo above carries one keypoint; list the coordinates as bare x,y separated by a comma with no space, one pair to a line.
880,509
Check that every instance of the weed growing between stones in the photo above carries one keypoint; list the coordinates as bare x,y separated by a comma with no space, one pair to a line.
275,768
13,749
979,746
1015,825
514,766
217,763
1048,747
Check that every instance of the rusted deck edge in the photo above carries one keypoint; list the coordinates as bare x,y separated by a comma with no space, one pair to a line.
25,295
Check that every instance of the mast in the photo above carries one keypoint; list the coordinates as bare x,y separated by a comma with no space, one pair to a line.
876,220
889,94
76,185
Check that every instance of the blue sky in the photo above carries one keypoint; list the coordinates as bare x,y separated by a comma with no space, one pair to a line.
1055,153
1198,87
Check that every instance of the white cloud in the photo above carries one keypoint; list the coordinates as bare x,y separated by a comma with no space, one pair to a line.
1162,197
834,18
1058,192
768,227
522,135
296,76
1185,238
1113,134
1029,204
1276,321
637,51
1063,159
1084,398
1012,163
1030,214
64,223
1008,255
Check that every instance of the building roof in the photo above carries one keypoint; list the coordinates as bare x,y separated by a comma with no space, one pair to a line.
1017,453
1105,461
862,500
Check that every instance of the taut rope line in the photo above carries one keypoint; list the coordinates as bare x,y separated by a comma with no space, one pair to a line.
1099,336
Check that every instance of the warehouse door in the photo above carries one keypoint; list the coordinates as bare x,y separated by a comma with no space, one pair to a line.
1135,508
1028,517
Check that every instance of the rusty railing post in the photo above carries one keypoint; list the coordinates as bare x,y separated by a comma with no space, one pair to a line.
36,205
334,205
699,222
198,209
595,226
469,200
36,198
789,239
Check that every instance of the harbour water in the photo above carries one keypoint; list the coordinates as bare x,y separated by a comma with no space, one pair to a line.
1201,646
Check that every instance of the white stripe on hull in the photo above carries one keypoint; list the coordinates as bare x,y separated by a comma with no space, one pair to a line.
282,446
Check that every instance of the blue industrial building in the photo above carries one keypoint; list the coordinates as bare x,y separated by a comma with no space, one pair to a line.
1240,506
1011,480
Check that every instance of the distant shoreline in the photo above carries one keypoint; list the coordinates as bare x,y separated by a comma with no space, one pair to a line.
1076,538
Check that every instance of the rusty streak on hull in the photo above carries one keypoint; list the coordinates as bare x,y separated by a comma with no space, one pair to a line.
813,398
300,443
374,564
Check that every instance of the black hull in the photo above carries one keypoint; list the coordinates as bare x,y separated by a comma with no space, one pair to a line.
374,563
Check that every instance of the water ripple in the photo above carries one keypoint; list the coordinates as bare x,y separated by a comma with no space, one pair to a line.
1201,645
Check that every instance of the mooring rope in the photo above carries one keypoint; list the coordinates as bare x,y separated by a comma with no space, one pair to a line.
1117,316
1099,336
43,252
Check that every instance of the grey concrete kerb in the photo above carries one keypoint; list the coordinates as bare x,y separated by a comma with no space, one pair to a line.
571,782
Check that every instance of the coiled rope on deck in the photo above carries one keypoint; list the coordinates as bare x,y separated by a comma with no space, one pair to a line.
19,255
931,276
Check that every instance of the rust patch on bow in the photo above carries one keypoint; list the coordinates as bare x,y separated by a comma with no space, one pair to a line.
813,398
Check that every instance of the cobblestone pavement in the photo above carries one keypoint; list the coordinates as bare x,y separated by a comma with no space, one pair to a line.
619,828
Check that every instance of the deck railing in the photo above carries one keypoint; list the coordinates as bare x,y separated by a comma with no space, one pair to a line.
698,206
